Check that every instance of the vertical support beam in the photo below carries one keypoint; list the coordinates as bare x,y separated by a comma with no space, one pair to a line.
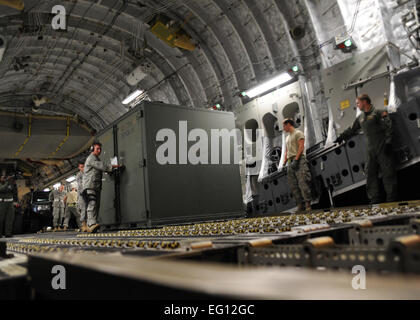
117,188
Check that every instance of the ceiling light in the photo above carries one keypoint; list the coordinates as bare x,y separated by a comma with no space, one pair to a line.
348,43
217,107
47,190
71,179
345,43
132,96
57,185
275,82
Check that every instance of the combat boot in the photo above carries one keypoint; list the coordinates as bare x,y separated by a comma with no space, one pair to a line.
308,206
300,207
65,228
84,227
94,228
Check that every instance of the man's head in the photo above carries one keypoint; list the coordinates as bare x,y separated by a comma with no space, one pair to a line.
81,166
363,102
97,148
288,125
61,188
3,179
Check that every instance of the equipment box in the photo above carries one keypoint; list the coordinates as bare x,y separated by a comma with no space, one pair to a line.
150,191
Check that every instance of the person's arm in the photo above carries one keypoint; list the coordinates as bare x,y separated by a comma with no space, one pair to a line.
350,132
386,124
65,200
100,165
285,159
79,183
301,148
51,196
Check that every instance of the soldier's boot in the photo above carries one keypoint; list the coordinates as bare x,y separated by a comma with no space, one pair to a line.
84,227
65,228
94,228
300,207
308,206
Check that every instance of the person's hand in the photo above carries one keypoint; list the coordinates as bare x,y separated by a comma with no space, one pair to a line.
119,168
295,165
339,140
388,149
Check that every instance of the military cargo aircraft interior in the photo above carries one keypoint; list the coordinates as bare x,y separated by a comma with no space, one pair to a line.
210,149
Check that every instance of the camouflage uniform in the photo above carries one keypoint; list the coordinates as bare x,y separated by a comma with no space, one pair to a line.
299,178
57,199
377,127
7,212
71,209
92,185
81,202
299,181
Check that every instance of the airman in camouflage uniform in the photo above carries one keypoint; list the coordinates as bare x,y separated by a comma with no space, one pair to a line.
377,127
92,185
57,199
81,202
298,174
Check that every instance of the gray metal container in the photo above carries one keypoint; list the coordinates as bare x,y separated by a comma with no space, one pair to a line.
148,193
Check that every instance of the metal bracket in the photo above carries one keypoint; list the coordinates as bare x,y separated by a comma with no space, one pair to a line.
143,164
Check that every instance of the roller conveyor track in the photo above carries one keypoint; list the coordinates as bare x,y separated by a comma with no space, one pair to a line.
352,235
184,238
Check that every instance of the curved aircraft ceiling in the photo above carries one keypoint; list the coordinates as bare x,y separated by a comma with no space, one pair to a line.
83,70
239,44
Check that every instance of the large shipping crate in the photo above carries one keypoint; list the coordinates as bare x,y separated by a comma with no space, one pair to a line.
150,193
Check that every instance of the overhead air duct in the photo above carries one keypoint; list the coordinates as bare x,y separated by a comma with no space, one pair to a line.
38,102
15,4
138,74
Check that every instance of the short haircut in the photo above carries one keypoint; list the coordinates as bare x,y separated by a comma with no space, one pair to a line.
81,162
96,143
365,97
289,121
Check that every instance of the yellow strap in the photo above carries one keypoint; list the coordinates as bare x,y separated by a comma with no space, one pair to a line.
64,140
15,4
27,138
